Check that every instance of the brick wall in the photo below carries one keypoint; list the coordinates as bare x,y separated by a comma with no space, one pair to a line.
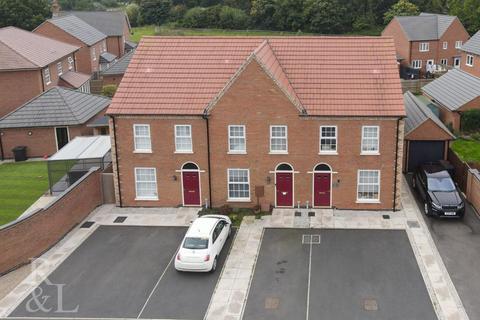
473,188
256,102
402,45
475,69
17,88
115,79
30,237
454,33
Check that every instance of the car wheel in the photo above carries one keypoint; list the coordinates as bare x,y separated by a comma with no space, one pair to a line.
214,265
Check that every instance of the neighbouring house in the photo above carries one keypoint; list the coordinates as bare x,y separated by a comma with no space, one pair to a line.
426,137
471,55
70,29
49,121
253,121
30,64
427,39
454,93
106,60
114,74
114,24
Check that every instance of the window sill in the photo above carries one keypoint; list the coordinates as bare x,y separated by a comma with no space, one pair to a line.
146,199
368,201
278,152
237,152
369,153
328,153
183,152
142,151
239,200
469,65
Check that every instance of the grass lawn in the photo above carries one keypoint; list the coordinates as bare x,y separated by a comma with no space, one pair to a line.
168,30
21,184
467,150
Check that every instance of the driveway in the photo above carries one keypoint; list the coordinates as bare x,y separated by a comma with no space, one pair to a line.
124,272
458,242
341,274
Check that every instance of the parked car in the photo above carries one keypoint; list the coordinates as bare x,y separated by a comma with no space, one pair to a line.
438,191
202,244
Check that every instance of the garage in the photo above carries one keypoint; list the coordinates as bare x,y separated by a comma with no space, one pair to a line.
426,137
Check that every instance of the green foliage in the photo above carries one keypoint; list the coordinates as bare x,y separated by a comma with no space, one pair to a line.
195,18
468,11
109,90
155,11
233,18
467,150
289,15
470,121
25,14
133,13
177,12
325,16
262,13
401,8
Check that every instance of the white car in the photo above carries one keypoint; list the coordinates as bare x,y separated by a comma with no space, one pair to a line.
203,243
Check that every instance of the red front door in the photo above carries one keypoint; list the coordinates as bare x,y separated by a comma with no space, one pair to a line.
284,181
321,189
191,189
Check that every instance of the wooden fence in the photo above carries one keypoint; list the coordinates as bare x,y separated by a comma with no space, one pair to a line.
414,85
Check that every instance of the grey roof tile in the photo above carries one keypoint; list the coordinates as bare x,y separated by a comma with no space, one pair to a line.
79,29
426,26
417,113
121,65
454,89
110,23
130,45
107,57
57,106
473,45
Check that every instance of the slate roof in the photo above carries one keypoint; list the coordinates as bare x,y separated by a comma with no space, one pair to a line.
130,45
473,45
78,29
20,49
454,89
56,106
75,79
336,76
120,66
426,26
417,113
107,57
110,23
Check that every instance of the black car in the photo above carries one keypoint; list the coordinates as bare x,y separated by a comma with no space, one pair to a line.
440,195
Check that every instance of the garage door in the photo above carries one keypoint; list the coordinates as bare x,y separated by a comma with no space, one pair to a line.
424,151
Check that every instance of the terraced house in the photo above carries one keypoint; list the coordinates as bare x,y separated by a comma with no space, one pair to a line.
281,121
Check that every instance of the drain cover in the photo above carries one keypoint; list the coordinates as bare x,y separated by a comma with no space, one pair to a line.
370,305
311,239
119,219
386,216
413,224
87,224
272,303
311,213
298,214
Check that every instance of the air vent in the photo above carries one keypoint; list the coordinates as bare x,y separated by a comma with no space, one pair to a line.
87,224
119,219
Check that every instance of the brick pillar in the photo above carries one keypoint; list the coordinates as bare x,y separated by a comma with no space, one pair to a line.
398,187
114,162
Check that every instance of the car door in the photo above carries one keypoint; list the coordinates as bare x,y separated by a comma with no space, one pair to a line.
224,233
217,238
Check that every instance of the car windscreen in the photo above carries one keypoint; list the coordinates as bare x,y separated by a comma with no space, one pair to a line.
441,184
195,243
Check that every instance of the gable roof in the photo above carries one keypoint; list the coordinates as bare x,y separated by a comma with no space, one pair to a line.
75,79
472,45
20,49
426,26
337,76
78,29
454,89
110,23
120,66
56,106
417,113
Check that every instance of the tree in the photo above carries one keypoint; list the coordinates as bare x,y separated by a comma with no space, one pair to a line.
25,14
195,18
109,90
133,13
468,11
289,15
155,11
325,16
233,18
401,8
262,13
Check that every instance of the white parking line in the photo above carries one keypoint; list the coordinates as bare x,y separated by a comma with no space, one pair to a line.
309,278
156,285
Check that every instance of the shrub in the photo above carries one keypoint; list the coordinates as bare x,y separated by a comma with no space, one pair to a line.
471,121
109,90
195,18
177,12
133,13
233,18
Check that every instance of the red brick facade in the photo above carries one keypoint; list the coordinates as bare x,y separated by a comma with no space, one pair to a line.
256,102
19,87
473,69
410,50
85,60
